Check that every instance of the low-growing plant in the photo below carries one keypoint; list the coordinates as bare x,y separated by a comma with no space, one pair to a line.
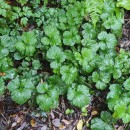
123,3
103,123
48,96
21,89
54,48
26,44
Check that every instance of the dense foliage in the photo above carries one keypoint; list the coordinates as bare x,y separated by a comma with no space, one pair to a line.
54,48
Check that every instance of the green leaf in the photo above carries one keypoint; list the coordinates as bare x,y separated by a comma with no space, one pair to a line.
99,124
53,36
107,39
49,96
27,45
109,6
88,32
6,67
117,74
29,38
95,9
21,97
87,59
70,38
95,77
101,85
105,77
36,64
20,90
20,46
123,3
48,104
106,63
45,41
24,21
87,53
71,1
126,118
56,55
69,74
79,95
114,95
14,84
120,109
127,84
58,83
104,116
42,88
2,86
103,123
22,2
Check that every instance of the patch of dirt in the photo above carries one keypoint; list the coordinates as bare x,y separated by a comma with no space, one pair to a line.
125,41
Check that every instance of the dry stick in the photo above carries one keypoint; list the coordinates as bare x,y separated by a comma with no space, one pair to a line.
127,22
4,117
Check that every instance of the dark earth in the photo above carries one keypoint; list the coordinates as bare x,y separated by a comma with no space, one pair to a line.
29,117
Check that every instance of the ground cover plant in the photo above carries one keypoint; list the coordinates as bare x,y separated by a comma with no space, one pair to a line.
66,48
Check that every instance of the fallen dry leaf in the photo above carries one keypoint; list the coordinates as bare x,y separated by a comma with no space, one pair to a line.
41,80
22,126
62,127
37,115
66,122
13,115
94,113
32,122
14,124
80,125
19,120
56,122
120,128
52,115
44,127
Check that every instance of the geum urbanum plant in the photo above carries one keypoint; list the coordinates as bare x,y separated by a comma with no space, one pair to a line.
21,90
27,44
70,47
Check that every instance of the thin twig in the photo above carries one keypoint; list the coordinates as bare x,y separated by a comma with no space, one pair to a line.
4,117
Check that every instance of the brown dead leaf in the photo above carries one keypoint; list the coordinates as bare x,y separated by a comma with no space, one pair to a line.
52,115
56,122
37,115
41,80
75,122
22,126
44,127
94,113
121,128
32,122
80,125
66,122
19,120
62,127
13,115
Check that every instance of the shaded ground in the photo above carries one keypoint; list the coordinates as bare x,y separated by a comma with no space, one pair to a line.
125,41
25,117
